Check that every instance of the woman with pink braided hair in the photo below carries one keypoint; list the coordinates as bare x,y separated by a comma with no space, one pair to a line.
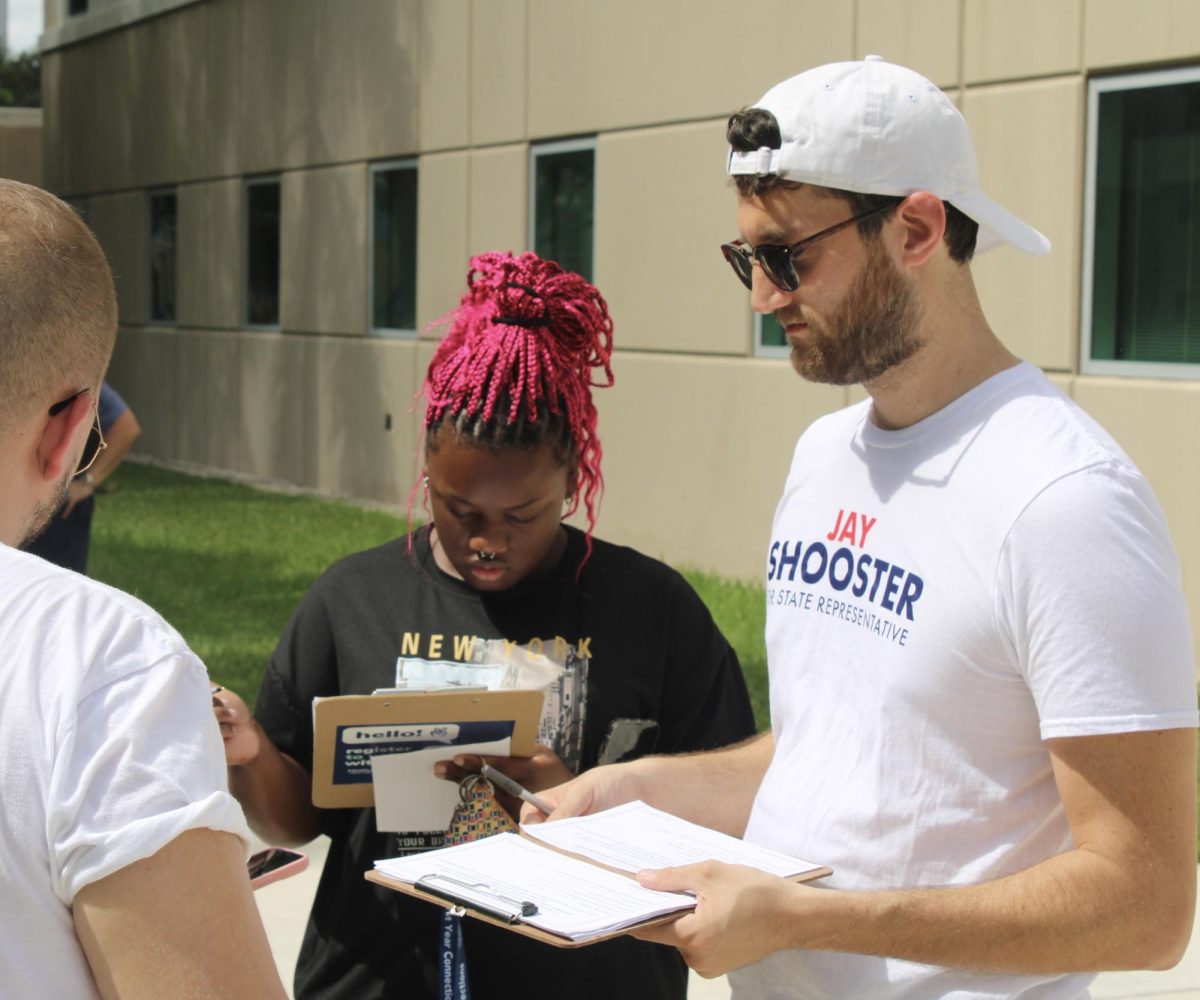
515,371
498,590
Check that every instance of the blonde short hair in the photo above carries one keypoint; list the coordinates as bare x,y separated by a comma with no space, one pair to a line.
58,307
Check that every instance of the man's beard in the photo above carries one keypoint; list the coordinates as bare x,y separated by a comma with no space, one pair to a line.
44,513
874,328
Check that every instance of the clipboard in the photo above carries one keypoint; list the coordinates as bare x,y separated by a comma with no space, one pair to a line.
506,913
349,729
508,918
487,879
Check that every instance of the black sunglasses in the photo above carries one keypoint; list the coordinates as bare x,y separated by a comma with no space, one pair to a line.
95,442
776,259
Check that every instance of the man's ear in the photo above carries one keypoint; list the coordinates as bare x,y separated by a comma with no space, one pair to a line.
572,479
60,442
923,218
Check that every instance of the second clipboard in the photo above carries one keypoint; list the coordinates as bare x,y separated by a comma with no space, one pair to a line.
348,730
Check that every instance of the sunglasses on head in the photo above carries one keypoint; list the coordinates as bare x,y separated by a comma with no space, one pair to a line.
776,259
95,442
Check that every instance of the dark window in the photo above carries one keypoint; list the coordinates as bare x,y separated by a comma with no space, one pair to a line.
262,253
77,7
394,254
1145,278
563,205
771,338
162,257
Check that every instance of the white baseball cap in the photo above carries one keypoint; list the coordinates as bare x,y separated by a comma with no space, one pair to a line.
876,128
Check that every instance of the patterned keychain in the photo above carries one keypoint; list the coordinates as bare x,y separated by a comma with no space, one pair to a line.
478,815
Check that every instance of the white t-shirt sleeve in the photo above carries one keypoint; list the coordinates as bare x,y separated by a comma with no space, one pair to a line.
141,763
1088,588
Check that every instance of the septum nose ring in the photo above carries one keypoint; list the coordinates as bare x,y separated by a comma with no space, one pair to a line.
485,555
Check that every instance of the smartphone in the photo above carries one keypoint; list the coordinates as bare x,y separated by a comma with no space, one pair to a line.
273,864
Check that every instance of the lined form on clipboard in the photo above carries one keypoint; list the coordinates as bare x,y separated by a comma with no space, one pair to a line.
570,882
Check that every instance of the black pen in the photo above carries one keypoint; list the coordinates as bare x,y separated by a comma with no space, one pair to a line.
513,788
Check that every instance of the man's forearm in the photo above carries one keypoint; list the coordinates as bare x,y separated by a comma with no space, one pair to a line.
1122,898
715,788
1076,912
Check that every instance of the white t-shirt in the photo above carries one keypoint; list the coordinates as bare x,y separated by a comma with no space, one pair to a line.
108,751
942,600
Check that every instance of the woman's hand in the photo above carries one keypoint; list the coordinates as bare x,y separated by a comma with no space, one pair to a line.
537,772
243,739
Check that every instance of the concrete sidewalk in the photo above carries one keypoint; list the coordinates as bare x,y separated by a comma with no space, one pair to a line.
284,907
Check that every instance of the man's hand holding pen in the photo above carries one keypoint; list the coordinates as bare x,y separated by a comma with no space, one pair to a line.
594,790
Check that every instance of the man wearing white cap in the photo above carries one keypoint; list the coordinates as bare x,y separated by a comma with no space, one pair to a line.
983,696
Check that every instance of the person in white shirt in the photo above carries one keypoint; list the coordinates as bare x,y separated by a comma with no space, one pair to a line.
122,854
982,684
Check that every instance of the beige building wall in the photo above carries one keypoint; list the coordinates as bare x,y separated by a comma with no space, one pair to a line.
21,144
697,431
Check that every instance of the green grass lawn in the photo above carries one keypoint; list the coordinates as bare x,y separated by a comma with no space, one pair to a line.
226,564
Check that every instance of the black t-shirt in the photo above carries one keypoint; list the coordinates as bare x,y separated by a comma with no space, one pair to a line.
628,631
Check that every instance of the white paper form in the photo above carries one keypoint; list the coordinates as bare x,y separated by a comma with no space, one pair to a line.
409,798
573,898
635,836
